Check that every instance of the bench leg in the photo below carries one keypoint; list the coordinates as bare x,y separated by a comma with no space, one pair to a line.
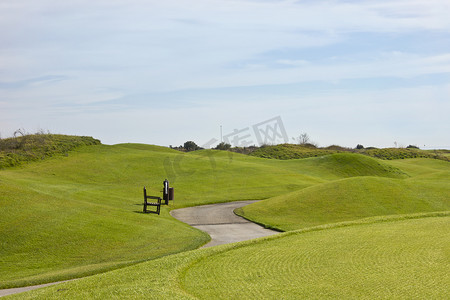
145,210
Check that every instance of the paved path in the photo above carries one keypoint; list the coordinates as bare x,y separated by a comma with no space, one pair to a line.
7,292
220,222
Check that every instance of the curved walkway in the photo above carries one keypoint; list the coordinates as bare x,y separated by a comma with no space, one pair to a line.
6,292
220,222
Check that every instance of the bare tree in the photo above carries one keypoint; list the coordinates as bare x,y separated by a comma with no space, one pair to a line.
303,139
20,132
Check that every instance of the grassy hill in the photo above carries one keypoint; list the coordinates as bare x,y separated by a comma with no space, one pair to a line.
69,216
346,200
426,189
79,213
32,147
344,165
294,151
291,151
399,257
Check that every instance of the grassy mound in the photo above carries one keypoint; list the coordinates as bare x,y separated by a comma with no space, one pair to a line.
345,165
211,176
348,199
54,231
367,260
18,150
145,147
81,214
402,153
426,188
338,166
290,151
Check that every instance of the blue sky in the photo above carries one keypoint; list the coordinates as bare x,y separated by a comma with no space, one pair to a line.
375,73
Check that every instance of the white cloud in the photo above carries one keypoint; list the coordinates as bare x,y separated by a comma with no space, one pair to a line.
87,56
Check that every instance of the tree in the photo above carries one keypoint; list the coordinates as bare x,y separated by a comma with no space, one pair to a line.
359,147
303,139
191,146
223,146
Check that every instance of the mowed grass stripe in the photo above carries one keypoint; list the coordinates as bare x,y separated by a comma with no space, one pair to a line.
71,216
272,273
404,259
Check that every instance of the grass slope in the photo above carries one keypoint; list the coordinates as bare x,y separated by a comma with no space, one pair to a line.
293,151
71,216
402,153
46,237
426,189
343,165
290,151
19,150
399,257
368,261
80,214
346,200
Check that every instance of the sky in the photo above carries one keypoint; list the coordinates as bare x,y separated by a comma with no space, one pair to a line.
369,72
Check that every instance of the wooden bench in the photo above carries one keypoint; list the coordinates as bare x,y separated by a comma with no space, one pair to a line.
156,204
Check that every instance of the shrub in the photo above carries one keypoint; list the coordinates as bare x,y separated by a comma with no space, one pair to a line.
31,147
223,146
191,146
336,147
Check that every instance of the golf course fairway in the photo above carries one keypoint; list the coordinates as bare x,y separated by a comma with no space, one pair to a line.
400,258
355,226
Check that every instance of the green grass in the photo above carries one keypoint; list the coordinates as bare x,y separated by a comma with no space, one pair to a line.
399,257
48,237
370,261
426,189
403,153
292,151
346,200
343,165
79,214
23,149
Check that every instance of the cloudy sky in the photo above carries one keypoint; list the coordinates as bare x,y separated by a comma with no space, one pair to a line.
371,72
